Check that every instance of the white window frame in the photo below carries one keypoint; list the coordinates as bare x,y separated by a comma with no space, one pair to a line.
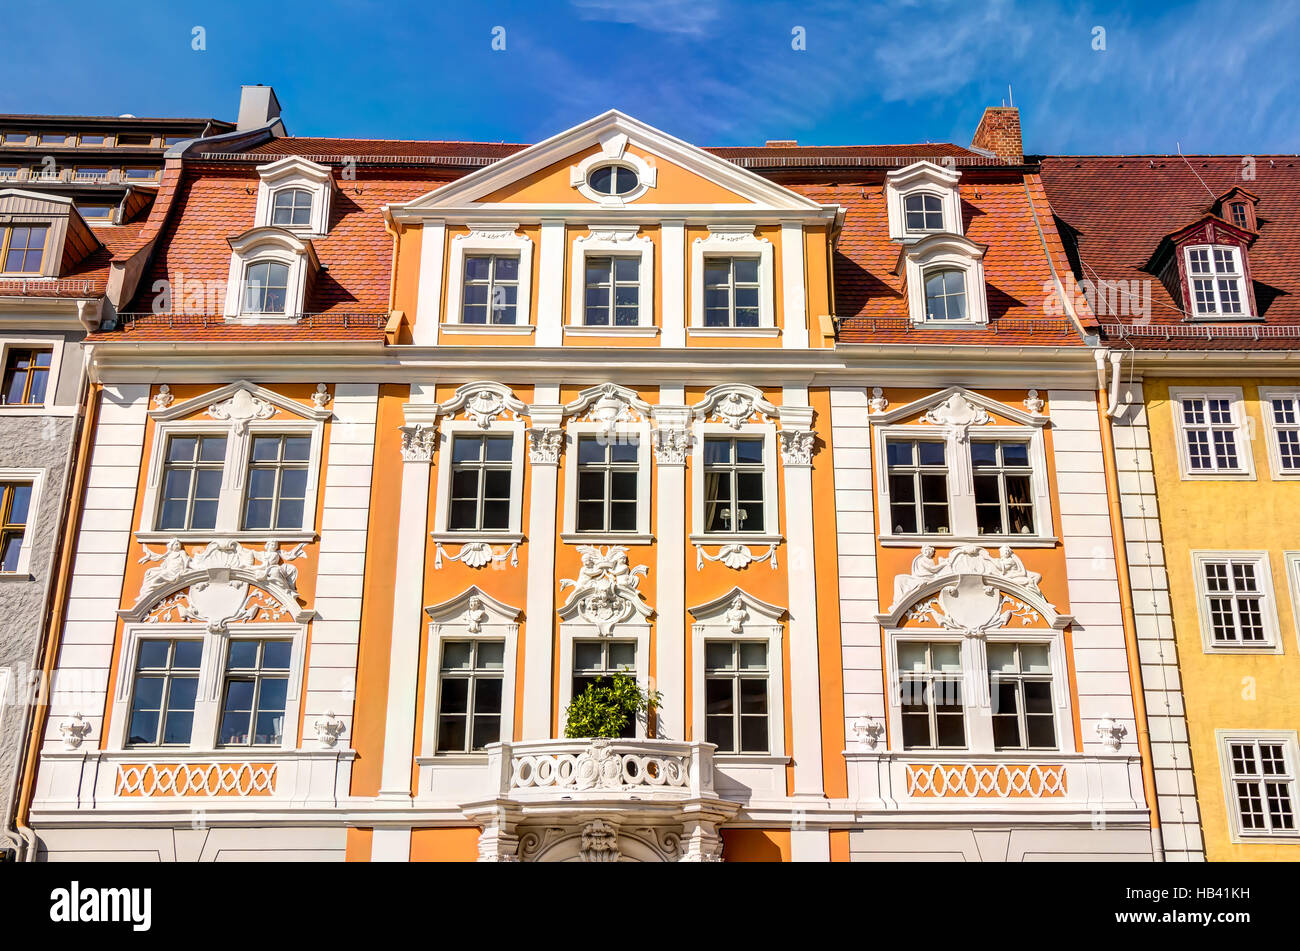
922,177
961,483
613,151
230,506
1288,739
924,193
642,535
942,251
497,239
212,679
1272,643
47,407
977,690
757,629
269,245
635,630
618,241
1214,276
771,533
1245,450
36,477
295,172
448,429
1266,397
734,241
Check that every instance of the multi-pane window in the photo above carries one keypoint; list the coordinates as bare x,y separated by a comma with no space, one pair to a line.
736,696
596,661
1286,430
945,294
469,695
191,482
53,138
1235,603
607,484
266,288
923,212
613,180
930,695
291,207
491,289
135,138
1020,686
15,510
1263,785
22,248
162,697
1216,279
481,475
27,373
918,487
15,138
613,292
1211,433
731,292
140,174
1239,216
95,211
277,482
257,685
93,139
733,485
1004,497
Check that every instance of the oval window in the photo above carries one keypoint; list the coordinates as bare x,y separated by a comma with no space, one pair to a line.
613,180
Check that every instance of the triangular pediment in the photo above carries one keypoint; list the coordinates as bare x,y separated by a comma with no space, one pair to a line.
957,403
249,398
738,604
473,606
610,134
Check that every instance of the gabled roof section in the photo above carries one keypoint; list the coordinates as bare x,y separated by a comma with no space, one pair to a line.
1174,238
475,186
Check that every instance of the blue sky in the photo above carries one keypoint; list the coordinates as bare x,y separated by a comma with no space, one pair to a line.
1215,77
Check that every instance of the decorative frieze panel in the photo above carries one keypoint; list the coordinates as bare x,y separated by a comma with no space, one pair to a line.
985,780
477,554
964,560
735,556
195,779
605,592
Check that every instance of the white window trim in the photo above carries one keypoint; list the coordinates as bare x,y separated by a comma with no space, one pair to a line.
938,251
613,241
1292,561
976,692
1224,739
493,238
922,177
641,536
495,629
275,245
212,677
1266,397
47,407
961,484
613,151
1263,576
734,241
636,630
1239,275
295,172
1245,447
448,428
756,629
23,572
230,506
771,533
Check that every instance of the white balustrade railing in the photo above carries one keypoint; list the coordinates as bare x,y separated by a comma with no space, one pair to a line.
647,768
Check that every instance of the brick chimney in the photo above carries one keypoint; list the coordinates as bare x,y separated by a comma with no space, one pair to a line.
999,133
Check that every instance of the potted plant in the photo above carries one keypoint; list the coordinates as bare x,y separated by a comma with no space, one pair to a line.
606,707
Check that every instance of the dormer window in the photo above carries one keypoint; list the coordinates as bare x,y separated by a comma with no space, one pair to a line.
266,287
1216,277
944,280
22,248
1240,217
613,180
292,208
945,294
923,212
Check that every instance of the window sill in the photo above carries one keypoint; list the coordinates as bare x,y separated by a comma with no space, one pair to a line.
213,534
582,330
923,323
1223,318
452,759
947,541
492,538
607,538
1218,476
521,330
1259,649
733,331
36,409
750,759
727,538
255,320
16,576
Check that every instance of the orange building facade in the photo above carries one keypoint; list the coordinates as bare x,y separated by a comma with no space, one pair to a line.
402,445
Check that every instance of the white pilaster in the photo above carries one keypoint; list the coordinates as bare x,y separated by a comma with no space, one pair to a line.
673,239
805,699
540,625
428,304
390,845
671,417
810,845
794,301
550,285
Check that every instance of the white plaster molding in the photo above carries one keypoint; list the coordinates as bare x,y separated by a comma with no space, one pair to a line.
605,592
922,178
733,240
615,241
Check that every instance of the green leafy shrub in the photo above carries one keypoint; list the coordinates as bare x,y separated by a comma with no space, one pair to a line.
606,707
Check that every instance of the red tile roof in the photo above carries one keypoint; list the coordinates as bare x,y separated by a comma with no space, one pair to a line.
1119,207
